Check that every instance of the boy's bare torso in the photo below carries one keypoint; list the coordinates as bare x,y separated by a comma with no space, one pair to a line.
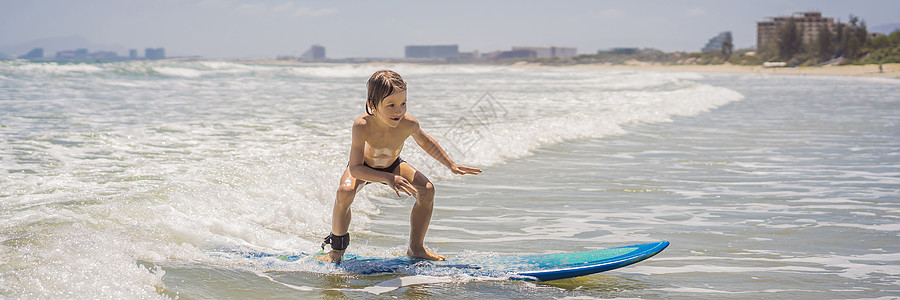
383,146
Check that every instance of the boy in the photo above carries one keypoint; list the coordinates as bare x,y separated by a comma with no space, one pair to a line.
377,140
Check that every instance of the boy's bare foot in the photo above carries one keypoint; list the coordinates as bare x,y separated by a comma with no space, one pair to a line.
334,256
423,253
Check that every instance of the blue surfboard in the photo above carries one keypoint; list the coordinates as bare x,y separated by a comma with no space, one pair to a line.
541,267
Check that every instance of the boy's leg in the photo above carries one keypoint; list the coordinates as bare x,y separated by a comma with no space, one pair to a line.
420,217
340,215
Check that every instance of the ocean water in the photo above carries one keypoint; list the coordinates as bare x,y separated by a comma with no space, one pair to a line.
147,179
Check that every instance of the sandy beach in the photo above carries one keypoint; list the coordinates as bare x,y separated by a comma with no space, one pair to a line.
888,70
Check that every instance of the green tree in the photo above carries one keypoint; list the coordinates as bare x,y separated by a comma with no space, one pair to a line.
881,41
727,47
789,40
853,47
883,49
824,45
837,43
852,38
862,34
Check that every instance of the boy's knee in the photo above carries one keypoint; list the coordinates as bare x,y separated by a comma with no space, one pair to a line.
429,188
345,195
426,193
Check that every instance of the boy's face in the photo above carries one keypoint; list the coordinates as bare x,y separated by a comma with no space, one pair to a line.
392,109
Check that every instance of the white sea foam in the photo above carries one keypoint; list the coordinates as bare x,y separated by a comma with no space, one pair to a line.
82,261
180,72
518,136
52,68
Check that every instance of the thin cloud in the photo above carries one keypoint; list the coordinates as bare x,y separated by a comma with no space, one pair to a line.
287,6
312,12
612,13
694,12
291,9
247,7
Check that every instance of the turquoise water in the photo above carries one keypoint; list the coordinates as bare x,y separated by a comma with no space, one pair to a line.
124,180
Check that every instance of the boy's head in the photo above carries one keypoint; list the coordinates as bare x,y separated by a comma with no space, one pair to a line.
382,84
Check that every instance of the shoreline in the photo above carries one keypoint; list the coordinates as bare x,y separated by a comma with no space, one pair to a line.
890,71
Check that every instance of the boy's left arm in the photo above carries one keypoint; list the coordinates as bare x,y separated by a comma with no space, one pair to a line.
435,150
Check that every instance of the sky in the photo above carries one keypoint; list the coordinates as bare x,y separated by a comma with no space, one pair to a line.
265,29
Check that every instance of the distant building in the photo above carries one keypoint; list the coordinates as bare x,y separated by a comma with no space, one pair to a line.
155,53
314,53
82,55
103,55
810,23
521,53
550,51
490,55
531,52
433,51
469,55
36,53
715,43
77,54
564,52
133,54
620,51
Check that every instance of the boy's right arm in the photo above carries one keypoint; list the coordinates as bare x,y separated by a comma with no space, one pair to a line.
360,171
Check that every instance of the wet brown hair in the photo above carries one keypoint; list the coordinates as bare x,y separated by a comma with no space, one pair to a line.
382,84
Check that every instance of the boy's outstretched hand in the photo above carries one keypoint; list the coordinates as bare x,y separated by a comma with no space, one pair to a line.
463,170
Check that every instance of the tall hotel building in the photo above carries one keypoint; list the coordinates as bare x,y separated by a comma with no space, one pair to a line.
810,23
